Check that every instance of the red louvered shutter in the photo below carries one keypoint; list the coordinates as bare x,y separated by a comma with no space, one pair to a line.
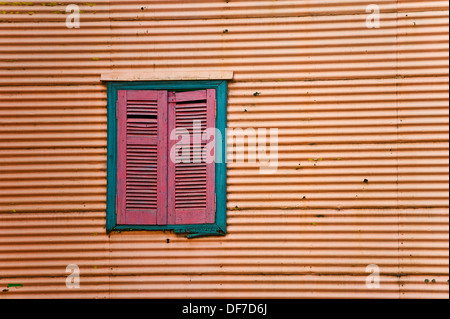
142,157
191,186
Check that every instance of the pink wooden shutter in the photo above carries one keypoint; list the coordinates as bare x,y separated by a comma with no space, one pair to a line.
142,157
191,185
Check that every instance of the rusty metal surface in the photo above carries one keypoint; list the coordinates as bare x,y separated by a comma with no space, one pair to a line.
363,156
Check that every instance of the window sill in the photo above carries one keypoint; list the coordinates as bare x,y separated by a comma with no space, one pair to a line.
191,231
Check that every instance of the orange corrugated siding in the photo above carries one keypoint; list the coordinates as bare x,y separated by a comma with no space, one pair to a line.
371,104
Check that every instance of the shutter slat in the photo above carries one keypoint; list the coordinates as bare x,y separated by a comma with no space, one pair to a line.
191,96
191,185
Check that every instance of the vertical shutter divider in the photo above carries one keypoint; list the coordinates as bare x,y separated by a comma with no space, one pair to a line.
162,158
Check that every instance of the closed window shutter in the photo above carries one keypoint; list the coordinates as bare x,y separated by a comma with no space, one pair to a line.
142,157
191,188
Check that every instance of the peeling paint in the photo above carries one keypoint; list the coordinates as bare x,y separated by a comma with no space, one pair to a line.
52,4
17,4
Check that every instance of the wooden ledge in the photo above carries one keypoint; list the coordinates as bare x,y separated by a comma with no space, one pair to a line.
167,76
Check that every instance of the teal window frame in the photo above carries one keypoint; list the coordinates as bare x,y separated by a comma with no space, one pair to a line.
219,228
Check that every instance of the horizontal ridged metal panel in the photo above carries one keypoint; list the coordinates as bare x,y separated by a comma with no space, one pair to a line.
363,148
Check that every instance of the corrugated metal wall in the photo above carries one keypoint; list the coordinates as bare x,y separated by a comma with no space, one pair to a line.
351,104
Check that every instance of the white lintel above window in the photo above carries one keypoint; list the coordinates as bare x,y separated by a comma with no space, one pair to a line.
167,76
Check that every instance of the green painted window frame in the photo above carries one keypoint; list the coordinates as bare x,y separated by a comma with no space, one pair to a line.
219,228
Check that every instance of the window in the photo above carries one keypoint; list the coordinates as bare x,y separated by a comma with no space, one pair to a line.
159,175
